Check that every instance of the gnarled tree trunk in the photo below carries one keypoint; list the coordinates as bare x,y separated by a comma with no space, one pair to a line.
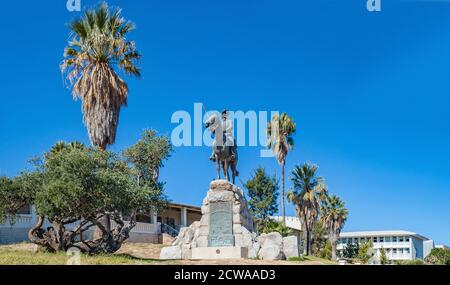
58,238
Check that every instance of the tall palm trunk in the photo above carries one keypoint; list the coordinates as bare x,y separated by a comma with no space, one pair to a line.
333,251
105,220
308,242
333,237
283,209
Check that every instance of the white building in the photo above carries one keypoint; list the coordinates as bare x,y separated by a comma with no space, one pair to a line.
398,245
442,246
291,222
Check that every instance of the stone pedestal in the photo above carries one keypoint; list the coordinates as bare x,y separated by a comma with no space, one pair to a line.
229,252
225,220
225,231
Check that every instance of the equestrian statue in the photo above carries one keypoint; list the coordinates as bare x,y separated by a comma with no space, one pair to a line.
224,148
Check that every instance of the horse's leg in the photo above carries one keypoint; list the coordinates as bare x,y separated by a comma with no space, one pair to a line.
225,170
218,167
234,171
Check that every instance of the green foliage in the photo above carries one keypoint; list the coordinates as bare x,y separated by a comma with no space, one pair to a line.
17,193
383,257
333,214
280,132
272,226
326,251
309,190
438,256
410,262
350,250
81,185
148,155
319,239
296,258
263,193
365,252
81,182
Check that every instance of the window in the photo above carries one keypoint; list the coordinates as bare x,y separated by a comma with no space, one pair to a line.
375,239
381,239
143,219
344,240
387,239
394,251
407,239
400,239
25,210
394,239
407,250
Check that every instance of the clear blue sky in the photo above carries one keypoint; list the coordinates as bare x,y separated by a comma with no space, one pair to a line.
369,91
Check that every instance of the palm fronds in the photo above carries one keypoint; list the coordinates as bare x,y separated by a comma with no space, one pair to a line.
97,50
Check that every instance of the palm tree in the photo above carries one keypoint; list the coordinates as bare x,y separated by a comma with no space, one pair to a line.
96,52
280,131
309,190
333,216
63,146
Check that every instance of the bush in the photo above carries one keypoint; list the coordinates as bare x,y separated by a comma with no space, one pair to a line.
438,256
325,252
272,226
410,262
73,184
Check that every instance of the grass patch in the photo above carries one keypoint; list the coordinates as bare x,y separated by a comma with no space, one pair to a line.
22,257
312,259
296,258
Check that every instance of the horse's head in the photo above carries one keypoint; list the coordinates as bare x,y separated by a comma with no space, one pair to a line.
212,122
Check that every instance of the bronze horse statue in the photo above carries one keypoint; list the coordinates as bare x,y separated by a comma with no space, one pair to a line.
222,151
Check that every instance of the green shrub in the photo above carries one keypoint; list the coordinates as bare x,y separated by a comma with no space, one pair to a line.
272,226
325,252
410,262
438,256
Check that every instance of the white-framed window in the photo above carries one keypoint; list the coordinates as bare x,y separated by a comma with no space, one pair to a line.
400,239
394,239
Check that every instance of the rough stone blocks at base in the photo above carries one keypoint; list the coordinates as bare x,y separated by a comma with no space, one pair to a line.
232,252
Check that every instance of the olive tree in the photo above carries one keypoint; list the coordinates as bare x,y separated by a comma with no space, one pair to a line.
74,188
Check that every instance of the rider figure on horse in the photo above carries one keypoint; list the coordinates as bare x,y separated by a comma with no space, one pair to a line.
226,125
